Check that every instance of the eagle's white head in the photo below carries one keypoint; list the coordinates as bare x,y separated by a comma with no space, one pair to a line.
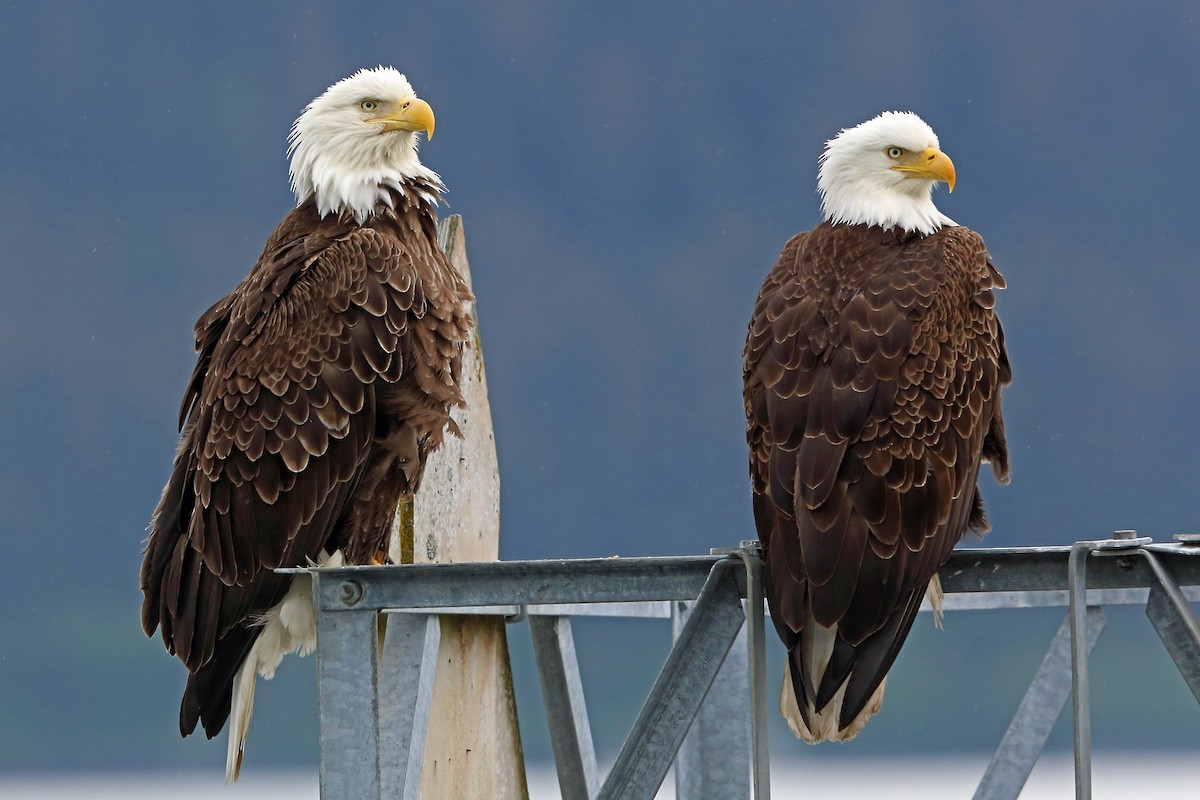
357,140
882,173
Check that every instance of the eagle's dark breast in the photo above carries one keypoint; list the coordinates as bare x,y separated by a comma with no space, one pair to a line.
873,369
323,382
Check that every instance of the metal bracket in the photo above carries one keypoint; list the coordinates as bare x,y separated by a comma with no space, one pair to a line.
370,699
1167,609
348,701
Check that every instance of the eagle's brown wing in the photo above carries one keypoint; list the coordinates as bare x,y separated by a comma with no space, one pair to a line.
279,421
873,369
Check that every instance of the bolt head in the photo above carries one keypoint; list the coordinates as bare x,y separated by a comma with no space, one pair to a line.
350,593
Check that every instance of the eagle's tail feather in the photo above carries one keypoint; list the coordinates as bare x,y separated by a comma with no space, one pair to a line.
841,685
287,627
239,717
809,722
823,725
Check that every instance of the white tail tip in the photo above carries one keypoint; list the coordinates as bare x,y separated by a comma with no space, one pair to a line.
825,722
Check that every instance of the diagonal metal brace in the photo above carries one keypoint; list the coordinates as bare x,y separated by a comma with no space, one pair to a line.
1042,705
1175,622
680,688
714,759
566,710
407,668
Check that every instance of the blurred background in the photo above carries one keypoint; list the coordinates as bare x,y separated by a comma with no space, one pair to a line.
627,172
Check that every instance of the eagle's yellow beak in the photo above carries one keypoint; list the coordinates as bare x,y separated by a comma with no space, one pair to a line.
930,163
408,115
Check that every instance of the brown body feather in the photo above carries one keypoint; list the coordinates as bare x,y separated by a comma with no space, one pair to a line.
874,363
323,382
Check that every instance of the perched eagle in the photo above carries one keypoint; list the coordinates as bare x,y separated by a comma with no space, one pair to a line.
324,380
874,363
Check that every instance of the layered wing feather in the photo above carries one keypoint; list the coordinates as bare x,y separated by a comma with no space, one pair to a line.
874,363
279,427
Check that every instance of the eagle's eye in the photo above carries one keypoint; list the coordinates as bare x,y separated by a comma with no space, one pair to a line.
895,152
367,105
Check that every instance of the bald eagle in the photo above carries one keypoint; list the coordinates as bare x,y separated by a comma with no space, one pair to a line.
324,380
873,368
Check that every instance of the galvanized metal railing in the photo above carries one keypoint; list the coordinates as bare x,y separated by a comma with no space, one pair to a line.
374,699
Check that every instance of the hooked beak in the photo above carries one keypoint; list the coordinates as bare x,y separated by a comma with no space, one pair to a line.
409,115
931,164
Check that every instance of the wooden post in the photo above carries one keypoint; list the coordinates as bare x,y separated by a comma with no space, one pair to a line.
472,748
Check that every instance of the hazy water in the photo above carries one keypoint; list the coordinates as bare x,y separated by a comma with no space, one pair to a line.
1115,777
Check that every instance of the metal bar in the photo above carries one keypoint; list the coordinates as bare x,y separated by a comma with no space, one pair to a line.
1077,567
521,582
566,710
658,609
406,672
760,743
680,578
1020,569
689,671
1177,626
1041,706
982,601
714,759
347,708
661,609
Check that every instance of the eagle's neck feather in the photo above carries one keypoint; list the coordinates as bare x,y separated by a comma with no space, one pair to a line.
353,175
862,202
